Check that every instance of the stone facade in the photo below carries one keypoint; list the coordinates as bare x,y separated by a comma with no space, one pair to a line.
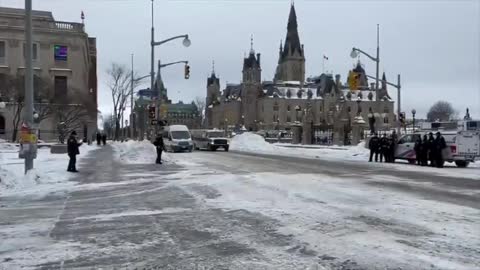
64,59
290,102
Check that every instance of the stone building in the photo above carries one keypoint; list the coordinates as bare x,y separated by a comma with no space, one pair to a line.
65,74
320,109
171,113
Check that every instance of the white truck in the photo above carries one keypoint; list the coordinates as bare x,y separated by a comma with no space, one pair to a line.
211,140
463,144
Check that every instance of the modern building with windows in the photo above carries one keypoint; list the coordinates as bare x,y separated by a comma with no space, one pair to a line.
65,74
320,109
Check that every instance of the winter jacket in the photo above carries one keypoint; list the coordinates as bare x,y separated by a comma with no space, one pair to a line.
374,143
158,142
440,144
72,146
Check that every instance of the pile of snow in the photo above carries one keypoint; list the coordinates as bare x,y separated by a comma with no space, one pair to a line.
49,173
249,142
253,143
137,152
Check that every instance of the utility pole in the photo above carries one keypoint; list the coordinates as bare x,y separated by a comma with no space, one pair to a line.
399,108
378,61
132,107
152,70
28,116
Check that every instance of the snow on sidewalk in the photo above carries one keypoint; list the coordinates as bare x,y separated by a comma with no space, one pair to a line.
49,173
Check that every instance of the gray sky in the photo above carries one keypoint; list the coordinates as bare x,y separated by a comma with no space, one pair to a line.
434,45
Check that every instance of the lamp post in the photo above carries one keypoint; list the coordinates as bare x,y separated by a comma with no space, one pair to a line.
413,115
30,146
356,51
371,121
186,43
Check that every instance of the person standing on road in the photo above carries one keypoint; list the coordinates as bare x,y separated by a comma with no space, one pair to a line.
159,146
73,151
99,138
418,150
424,151
104,139
383,148
373,145
440,144
431,149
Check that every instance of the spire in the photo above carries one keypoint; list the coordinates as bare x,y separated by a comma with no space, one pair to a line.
252,51
213,67
292,41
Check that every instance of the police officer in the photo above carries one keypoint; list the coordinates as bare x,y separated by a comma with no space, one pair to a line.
424,151
73,151
373,145
431,149
384,148
159,146
440,144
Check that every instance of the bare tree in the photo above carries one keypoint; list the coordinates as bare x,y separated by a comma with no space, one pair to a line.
441,111
201,104
119,83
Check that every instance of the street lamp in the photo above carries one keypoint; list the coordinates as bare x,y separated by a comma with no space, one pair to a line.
186,42
355,52
371,121
413,114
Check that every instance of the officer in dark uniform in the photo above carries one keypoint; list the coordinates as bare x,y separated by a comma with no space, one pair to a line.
373,145
418,150
424,151
384,148
440,144
159,146
431,149
73,151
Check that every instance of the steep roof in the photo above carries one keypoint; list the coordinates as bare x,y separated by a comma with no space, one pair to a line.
292,41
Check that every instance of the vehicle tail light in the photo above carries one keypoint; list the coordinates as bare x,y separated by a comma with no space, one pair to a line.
453,149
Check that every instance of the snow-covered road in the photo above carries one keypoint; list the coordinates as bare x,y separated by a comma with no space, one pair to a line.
245,211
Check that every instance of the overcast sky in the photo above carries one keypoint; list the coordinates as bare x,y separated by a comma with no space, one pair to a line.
434,45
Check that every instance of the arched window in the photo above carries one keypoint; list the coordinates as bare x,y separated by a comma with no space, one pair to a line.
288,108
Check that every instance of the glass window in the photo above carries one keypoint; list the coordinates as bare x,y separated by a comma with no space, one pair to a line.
180,135
3,51
60,52
60,87
34,51
405,139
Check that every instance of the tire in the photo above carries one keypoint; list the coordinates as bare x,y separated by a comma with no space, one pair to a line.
411,161
462,164
226,148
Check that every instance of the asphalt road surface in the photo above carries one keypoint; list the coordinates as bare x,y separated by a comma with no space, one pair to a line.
191,215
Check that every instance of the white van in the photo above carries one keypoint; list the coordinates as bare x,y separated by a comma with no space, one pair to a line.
177,138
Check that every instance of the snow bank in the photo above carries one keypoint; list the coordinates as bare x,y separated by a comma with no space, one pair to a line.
253,143
249,142
47,176
137,152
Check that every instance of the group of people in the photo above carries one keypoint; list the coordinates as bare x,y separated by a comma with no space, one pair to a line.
101,138
430,148
383,147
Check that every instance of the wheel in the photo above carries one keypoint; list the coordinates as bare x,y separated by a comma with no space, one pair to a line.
226,148
462,164
411,161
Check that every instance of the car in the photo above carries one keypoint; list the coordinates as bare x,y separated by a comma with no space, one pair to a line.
210,139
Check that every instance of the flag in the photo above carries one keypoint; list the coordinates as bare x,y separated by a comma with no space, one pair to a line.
82,15
325,57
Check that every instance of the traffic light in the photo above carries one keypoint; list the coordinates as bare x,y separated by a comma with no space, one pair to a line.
151,112
401,118
187,71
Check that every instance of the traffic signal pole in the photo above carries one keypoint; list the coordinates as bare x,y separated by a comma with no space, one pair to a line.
29,147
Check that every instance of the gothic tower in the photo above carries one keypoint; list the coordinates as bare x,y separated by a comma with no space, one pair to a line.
213,94
291,60
251,88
